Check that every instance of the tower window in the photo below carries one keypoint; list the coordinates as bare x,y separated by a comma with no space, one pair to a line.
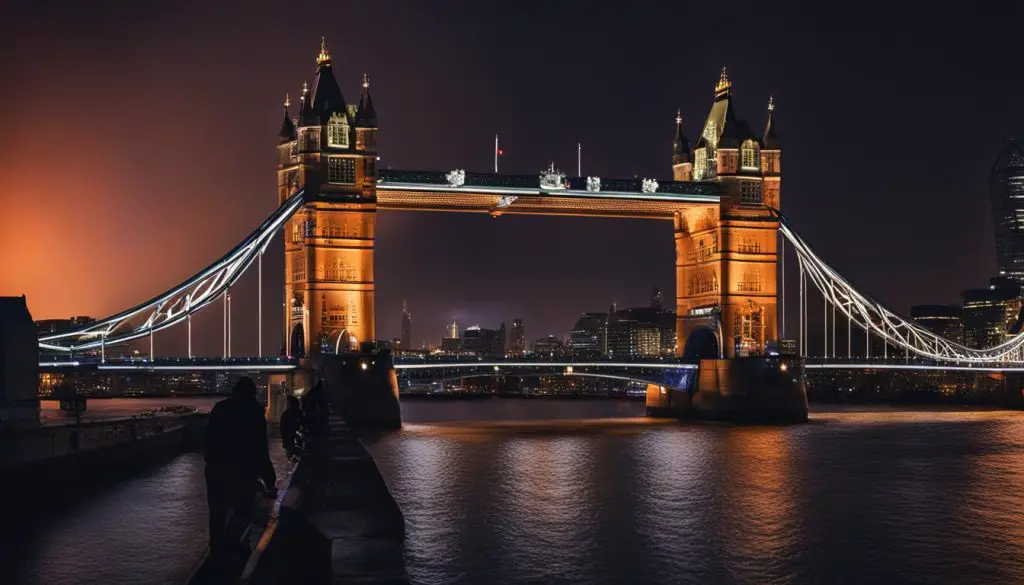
700,164
750,193
337,131
341,170
750,154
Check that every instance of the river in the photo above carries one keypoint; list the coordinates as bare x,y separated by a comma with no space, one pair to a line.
876,496
589,491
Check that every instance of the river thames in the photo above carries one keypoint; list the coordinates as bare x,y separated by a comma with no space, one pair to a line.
579,492
852,497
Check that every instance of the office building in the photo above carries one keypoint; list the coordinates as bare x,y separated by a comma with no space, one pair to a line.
517,338
1006,193
406,336
991,315
943,320
589,337
549,346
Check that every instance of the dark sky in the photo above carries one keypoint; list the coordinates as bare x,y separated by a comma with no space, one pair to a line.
139,140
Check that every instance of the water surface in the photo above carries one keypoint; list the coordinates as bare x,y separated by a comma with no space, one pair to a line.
877,496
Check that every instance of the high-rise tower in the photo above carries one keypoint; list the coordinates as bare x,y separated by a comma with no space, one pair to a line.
406,337
1006,192
331,154
726,254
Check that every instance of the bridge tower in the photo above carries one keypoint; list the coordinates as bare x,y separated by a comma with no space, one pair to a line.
726,254
330,151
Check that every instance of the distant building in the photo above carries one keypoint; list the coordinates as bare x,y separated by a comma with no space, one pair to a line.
943,320
549,346
451,342
992,315
1006,193
517,339
657,302
46,326
663,321
484,342
589,337
406,336
629,338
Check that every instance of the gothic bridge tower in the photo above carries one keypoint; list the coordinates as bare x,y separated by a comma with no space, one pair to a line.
331,152
726,254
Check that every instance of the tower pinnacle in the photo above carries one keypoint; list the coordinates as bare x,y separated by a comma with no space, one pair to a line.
287,101
724,86
679,117
305,89
366,81
324,58
771,104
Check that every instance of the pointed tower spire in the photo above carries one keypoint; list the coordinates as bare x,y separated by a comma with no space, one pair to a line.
324,58
366,115
724,87
287,133
680,145
771,137
306,115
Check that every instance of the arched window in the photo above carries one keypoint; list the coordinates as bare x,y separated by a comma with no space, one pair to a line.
750,155
337,131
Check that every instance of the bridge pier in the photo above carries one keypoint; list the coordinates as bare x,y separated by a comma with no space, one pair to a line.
761,390
363,388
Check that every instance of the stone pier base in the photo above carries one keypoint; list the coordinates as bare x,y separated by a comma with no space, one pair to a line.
759,390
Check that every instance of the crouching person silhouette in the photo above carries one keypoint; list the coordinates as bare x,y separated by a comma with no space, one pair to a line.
237,455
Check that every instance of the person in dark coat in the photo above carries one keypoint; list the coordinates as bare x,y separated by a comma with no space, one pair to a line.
237,455
291,420
316,411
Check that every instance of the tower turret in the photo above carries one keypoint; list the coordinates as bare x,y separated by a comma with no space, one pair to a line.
366,130
287,133
771,159
682,168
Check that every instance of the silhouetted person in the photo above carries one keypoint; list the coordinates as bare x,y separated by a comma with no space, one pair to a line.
315,411
237,455
291,420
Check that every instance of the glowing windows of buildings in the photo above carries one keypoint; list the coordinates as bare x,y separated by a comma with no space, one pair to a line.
749,156
700,164
337,131
341,170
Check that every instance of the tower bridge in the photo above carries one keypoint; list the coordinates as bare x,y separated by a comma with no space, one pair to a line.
721,203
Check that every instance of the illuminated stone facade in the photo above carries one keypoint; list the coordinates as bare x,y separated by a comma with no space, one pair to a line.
726,254
330,151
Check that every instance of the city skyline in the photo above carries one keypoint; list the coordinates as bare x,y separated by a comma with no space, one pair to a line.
480,283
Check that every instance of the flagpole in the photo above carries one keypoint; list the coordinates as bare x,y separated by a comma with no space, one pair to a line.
579,159
495,154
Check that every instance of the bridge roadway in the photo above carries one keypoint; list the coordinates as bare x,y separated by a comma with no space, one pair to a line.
452,368
168,365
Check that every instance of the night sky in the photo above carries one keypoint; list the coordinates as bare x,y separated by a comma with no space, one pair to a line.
139,141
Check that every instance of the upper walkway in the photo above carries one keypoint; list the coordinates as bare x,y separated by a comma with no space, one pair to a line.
550,193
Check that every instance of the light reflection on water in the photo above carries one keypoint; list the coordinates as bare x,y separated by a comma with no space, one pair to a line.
857,497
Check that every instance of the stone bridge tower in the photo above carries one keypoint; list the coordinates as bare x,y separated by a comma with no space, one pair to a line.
330,151
726,254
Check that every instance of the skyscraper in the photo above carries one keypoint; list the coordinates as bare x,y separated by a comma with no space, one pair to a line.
657,302
406,337
992,315
517,341
1006,192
